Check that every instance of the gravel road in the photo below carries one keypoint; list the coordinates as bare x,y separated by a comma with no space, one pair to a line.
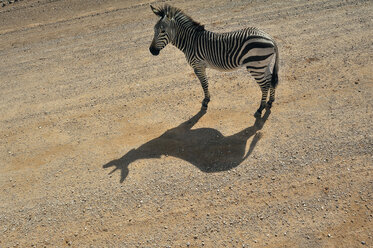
104,145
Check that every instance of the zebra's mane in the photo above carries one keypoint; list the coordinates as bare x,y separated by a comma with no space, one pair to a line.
180,16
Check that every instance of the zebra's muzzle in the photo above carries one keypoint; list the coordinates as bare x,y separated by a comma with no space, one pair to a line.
154,51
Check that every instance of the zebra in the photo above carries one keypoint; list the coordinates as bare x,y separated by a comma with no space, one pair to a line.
250,47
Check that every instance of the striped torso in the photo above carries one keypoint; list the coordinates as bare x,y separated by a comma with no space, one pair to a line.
227,51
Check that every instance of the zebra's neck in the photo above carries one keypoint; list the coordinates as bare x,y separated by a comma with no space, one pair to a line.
184,37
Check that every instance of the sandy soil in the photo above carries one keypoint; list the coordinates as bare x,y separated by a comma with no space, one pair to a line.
81,97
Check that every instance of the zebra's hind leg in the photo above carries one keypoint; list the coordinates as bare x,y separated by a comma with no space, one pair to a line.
272,92
264,87
261,75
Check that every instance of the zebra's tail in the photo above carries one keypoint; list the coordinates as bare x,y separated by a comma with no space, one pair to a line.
274,81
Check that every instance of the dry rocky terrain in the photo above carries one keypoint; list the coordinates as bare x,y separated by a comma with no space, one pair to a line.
104,145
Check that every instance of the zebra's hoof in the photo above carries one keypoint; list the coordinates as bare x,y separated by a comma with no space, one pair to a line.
205,102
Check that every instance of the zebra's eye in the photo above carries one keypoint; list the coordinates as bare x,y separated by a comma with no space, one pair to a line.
162,31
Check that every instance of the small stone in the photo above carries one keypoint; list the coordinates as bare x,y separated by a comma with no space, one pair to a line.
329,235
363,242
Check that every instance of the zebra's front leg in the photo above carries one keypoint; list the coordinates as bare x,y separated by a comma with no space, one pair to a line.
201,74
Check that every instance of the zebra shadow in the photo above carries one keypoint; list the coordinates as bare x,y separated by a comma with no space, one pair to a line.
206,148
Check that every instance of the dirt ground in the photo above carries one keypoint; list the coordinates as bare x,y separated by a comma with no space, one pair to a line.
104,145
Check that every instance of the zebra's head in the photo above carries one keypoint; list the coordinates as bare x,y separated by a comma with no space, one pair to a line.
163,30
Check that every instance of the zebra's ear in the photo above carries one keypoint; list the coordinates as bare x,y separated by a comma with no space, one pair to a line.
157,11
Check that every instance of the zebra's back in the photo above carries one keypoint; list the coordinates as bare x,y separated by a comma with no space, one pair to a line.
227,51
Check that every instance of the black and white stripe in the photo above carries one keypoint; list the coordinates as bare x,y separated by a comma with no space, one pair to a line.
250,47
